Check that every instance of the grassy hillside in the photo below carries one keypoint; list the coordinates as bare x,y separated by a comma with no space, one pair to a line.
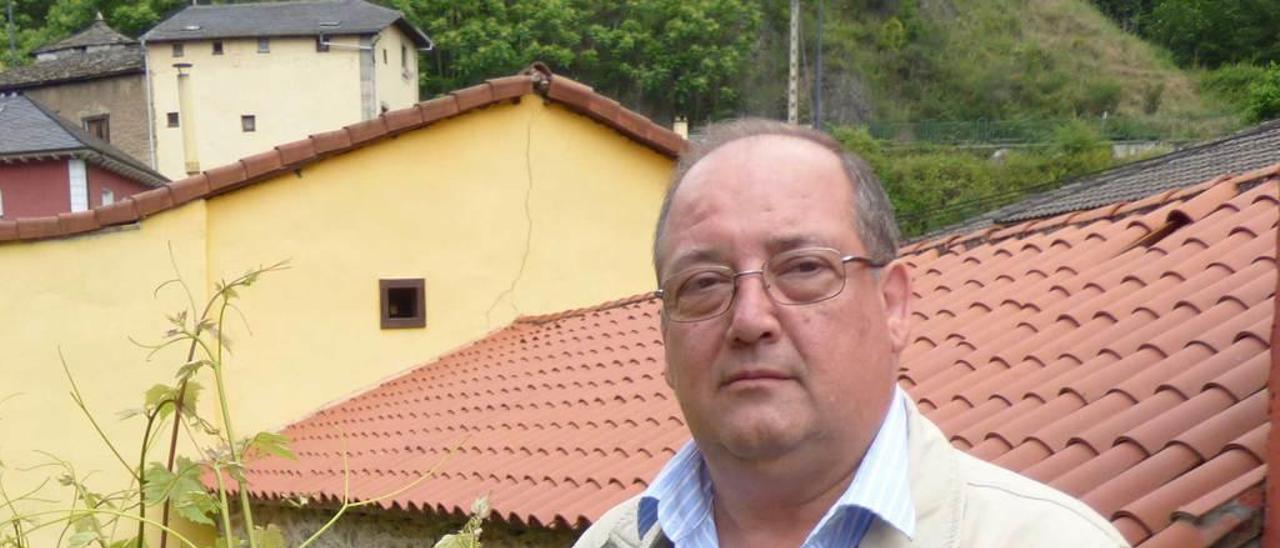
967,60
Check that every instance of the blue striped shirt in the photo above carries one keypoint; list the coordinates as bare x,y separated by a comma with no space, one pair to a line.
680,497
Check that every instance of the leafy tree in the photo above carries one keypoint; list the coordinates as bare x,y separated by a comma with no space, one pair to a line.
1264,96
1211,33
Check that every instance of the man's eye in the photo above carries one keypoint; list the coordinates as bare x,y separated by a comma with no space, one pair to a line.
699,283
802,266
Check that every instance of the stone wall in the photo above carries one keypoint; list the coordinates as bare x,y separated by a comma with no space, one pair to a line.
397,529
122,98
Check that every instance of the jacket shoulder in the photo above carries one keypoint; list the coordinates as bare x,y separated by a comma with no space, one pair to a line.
1003,508
615,529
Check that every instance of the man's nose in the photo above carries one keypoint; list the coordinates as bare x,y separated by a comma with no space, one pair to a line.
754,313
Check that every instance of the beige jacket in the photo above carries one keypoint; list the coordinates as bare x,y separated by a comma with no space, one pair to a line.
960,501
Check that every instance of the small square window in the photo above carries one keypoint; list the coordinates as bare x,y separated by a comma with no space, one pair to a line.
178,50
172,118
264,45
248,123
217,47
98,126
108,197
403,303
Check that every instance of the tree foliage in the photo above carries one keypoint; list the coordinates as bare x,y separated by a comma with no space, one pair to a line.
1203,32
39,23
668,57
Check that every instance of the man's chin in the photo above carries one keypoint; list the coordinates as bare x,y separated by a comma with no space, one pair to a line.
761,439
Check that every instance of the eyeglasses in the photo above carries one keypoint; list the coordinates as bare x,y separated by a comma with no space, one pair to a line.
800,276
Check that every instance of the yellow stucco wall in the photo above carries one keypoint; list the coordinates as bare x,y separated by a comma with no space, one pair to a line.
514,209
87,296
292,91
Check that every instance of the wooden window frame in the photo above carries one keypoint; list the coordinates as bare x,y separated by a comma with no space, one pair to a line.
384,297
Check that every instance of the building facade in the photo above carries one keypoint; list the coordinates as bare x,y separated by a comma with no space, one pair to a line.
231,80
95,79
49,165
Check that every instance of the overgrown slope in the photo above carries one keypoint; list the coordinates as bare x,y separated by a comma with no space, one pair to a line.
914,60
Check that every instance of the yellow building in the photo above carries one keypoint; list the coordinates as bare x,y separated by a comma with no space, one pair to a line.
524,195
230,80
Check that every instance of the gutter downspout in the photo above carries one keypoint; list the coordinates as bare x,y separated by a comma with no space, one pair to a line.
151,106
187,117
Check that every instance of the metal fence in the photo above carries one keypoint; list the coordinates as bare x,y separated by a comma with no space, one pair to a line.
1039,131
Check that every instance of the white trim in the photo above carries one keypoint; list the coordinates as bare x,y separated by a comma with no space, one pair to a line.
79,183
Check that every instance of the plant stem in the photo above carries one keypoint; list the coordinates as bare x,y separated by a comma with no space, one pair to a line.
75,395
245,508
225,514
115,513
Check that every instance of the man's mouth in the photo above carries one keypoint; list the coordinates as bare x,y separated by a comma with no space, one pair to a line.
755,376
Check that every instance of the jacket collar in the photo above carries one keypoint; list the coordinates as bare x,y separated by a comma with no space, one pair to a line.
935,489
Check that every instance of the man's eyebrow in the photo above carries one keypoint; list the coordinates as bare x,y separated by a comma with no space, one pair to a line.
788,242
696,255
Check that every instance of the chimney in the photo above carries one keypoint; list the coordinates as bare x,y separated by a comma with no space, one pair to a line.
681,127
187,117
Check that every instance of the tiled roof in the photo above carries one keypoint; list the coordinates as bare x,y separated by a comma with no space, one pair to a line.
70,68
1120,354
1247,150
305,18
29,130
295,155
97,34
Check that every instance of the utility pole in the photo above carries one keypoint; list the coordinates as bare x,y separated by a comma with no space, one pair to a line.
817,74
793,93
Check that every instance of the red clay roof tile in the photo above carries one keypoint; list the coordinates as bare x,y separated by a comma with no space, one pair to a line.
190,188
77,222
152,201
8,230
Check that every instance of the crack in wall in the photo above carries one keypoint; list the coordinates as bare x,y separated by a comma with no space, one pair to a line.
509,292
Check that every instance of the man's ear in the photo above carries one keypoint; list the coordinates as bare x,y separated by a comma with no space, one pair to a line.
895,290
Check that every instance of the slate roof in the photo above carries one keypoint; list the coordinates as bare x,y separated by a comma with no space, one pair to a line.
297,154
1241,152
302,18
1120,354
71,68
28,130
96,34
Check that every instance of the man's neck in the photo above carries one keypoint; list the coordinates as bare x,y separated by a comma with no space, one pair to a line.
778,502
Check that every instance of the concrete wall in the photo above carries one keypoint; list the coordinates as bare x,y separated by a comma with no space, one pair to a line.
34,189
292,91
513,209
123,98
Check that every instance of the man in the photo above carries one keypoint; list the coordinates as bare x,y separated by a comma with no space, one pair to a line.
783,316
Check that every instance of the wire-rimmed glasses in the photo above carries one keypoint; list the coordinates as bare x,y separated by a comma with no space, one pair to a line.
798,276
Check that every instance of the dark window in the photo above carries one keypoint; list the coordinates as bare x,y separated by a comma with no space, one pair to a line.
322,43
403,303
404,57
173,119
98,126
384,56
178,50
217,47
248,123
264,45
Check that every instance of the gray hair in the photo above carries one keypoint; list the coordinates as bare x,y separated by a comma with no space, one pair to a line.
872,211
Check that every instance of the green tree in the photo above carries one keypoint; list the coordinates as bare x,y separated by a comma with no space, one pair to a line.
1264,96
1211,33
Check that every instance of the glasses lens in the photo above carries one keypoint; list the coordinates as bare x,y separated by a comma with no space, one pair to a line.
700,294
806,275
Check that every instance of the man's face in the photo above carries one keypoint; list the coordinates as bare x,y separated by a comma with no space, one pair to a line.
764,378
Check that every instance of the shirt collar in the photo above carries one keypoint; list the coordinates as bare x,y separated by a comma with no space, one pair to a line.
680,497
